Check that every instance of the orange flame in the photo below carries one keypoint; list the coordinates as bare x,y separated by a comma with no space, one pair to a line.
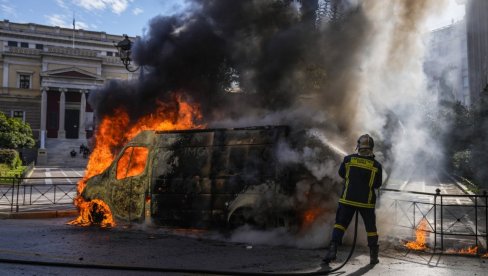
310,216
465,251
420,233
137,157
93,212
115,131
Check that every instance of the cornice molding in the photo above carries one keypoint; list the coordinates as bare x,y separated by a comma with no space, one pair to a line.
56,38
56,74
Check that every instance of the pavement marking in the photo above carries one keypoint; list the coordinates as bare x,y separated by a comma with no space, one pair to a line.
403,185
77,172
48,174
69,180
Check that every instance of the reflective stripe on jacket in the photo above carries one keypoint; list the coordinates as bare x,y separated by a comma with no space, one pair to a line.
362,175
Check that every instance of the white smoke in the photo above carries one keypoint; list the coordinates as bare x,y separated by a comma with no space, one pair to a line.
312,158
394,84
393,102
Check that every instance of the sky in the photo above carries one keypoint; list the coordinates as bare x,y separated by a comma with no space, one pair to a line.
111,16
454,11
132,16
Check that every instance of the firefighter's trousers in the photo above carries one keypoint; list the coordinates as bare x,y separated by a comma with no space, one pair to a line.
343,218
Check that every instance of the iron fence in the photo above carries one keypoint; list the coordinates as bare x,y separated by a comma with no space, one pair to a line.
29,193
453,220
456,222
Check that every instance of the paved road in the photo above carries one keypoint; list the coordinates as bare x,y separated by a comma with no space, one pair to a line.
55,175
51,240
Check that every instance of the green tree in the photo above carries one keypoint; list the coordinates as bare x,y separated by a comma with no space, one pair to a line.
453,126
14,133
480,139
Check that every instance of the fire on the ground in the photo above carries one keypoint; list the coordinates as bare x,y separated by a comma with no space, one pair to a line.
420,243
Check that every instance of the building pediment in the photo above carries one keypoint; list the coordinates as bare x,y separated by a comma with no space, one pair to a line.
71,72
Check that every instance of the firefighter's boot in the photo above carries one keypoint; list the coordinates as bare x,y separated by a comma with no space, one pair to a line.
331,253
373,255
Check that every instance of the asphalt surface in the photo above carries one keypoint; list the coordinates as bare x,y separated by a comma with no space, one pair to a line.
51,240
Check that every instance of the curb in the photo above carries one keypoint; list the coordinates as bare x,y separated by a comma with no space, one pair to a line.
40,214
461,186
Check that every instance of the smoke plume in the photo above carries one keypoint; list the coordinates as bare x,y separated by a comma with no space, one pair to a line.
274,62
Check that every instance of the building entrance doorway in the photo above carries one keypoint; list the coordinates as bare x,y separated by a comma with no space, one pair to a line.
71,123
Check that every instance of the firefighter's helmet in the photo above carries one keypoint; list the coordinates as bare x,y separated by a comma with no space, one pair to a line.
365,142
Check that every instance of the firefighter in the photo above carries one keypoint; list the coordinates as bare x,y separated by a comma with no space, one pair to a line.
362,174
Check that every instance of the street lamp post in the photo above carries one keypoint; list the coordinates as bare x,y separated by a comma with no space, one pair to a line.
124,48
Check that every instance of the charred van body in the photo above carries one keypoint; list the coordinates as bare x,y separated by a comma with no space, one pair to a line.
202,178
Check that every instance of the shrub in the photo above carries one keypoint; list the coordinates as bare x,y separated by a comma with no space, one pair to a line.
14,133
461,162
10,157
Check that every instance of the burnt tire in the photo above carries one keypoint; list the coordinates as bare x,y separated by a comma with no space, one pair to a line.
96,214
240,217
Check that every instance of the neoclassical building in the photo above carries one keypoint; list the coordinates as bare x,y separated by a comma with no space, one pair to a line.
48,72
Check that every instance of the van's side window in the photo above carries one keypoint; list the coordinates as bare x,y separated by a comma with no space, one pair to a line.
132,162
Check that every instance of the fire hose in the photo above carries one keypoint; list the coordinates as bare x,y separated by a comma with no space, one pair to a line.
179,270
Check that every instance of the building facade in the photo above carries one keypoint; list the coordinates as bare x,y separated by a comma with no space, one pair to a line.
477,28
446,63
47,74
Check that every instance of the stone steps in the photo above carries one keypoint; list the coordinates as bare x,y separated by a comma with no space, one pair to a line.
58,153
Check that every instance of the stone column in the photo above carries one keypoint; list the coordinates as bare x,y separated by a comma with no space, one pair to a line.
81,129
43,116
62,107
5,74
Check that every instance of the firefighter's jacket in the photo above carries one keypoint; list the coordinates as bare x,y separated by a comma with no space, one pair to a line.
362,174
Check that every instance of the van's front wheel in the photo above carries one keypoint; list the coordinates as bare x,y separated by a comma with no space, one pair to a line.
241,217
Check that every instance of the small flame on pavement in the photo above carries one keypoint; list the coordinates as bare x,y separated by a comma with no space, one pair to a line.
464,251
420,233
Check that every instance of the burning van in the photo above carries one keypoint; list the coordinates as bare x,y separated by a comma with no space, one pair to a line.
198,178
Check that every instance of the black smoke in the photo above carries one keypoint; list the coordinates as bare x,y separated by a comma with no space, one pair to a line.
273,51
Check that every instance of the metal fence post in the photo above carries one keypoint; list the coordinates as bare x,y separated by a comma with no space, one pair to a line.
437,192
414,223
18,188
12,199
23,198
486,217
442,224
476,220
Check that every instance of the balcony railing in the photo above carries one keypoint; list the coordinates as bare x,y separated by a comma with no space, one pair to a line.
54,50
24,51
